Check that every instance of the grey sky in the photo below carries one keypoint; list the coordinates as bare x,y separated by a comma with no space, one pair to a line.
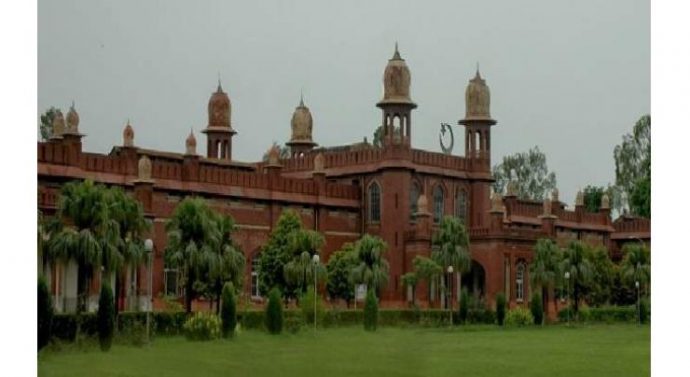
569,76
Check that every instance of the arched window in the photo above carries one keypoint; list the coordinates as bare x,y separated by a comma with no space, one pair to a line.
255,276
438,204
414,197
520,282
374,202
461,205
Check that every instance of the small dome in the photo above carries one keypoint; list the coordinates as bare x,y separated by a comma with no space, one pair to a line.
274,155
579,199
605,202
301,123
554,196
190,144
144,168
396,80
319,163
128,135
72,120
219,109
477,99
58,124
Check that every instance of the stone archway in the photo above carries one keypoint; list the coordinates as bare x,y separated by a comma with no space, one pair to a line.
475,280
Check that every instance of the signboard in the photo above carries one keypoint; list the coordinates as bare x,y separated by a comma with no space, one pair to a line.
360,292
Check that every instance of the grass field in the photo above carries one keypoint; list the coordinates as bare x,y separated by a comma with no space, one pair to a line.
601,350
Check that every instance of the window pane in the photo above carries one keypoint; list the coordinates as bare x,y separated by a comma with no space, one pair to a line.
438,204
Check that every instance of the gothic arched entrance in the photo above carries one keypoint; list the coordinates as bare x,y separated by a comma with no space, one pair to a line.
474,280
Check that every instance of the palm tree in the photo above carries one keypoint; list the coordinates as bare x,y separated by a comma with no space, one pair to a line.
451,247
576,263
426,269
299,271
636,265
83,231
410,279
372,267
544,270
192,234
226,263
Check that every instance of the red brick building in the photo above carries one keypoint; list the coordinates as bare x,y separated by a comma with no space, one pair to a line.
394,191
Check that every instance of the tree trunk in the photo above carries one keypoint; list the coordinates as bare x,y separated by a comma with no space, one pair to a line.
188,294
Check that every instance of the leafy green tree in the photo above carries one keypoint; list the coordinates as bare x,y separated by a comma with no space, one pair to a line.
371,311
274,312
306,304
340,265
299,271
537,308
592,197
500,308
533,179
192,239
641,197
451,246
226,262
277,252
426,269
45,313
576,263
410,279
228,313
634,161
636,265
622,293
372,267
544,269
599,292
106,317
46,124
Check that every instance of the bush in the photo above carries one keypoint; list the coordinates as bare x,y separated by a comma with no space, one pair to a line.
464,305
371,311
536,306
228,312
134,333
500,308
106,317
274,312
294,323
519,317
202,326
643,311
45,313
306,304
484,316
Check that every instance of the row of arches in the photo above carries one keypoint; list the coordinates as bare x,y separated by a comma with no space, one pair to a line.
438,202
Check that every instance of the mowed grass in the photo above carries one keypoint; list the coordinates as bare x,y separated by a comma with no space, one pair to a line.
597,350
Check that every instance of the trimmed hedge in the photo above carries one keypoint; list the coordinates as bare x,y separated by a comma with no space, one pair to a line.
606,314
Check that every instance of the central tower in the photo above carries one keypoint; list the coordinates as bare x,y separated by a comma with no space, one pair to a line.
396,104
219,131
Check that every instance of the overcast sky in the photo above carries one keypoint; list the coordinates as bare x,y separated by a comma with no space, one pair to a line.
568,76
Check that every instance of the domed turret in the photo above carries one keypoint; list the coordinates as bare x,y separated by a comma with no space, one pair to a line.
396,104
58,125
605,202
219,109
301,125
396,80
579,199
477,99
219,132
72,120
128,135
190,144
477,119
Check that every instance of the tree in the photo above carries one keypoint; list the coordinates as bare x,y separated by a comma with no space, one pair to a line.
599,290
410,280
45,313
464,305
372,267
228,314
634,160
533,179
193,237
371,311
592,197
106,317
576,263
340,265
636,265
46,124
426,269
276,253
641,197
274,312
226,263
500,308
299,271
451,246
537,308
544,269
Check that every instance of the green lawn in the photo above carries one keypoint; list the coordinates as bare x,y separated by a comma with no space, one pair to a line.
601,350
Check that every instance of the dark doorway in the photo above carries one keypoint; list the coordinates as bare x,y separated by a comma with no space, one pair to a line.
474,280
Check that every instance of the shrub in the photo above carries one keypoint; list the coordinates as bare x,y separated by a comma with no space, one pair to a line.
134,333
202,326
536,306
228,312
464,305
45,313
500,308
294,323
519,317
371,311
274,312
485,316
106,317
566,312
643,313
306,304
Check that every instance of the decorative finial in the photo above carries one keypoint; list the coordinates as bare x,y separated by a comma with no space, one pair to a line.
396,55
477,75
301,98
72,105
220,88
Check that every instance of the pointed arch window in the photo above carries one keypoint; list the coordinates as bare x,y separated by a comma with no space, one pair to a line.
520,282
374,202
414,197
438,204
461,205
